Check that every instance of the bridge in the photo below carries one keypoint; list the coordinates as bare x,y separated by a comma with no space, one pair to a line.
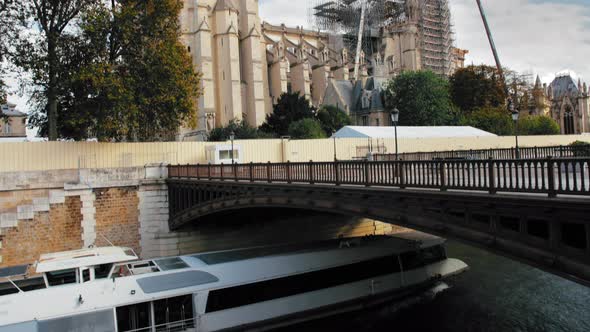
535,210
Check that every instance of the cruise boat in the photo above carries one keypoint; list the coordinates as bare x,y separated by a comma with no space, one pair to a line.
259,288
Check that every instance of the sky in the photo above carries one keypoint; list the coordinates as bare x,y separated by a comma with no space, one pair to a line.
543,37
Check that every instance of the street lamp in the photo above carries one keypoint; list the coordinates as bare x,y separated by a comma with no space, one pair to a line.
232,135
334,137
514,114
394,120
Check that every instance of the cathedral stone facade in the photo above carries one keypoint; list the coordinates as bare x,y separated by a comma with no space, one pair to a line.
565,101
247,64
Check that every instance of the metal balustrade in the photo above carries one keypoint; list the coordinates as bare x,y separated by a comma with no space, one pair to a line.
540,152
551,176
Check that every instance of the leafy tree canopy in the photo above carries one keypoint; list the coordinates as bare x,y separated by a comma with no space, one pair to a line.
537,125
124,75
475,87
422,99
493,120
306,129
241,130
289,108
332,119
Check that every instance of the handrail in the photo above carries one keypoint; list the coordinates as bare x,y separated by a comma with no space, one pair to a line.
536,152
551,176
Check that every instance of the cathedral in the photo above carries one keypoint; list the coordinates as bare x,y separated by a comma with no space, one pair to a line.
247,64
565,101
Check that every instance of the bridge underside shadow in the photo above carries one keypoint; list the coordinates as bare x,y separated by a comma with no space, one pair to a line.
550,233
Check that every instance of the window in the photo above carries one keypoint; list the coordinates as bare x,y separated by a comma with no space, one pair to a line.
174,314
365,120
365,102
237,296
135,317
568,121
62,277
7,127
102,271
415,259
377,122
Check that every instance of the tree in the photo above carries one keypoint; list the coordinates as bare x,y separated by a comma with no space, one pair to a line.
493,120
475,87
537,125
306,129
422,98
241,130
124,75
7,19
51,18
289,108
332,119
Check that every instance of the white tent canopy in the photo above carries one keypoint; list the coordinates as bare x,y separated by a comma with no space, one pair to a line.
411,132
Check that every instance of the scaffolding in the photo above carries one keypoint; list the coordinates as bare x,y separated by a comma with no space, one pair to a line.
436,36
343,17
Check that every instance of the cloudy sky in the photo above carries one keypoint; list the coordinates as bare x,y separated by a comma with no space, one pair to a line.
541,37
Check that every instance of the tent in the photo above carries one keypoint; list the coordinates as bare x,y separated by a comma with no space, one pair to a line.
411,132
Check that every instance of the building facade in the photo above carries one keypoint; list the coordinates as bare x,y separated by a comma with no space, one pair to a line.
247,64
13,124
565,101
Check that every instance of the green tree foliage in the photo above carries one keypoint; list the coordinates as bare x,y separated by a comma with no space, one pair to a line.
51,19
7,24
537,125
307,128
124,75
332,119
475,87
241,130
493,120
422,98
289,108
580,148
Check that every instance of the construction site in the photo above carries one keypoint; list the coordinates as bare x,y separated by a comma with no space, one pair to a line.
391,36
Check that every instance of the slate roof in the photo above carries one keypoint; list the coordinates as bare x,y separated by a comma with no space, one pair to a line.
564,86
10,110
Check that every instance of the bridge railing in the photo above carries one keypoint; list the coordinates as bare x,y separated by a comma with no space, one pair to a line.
540,152
549,176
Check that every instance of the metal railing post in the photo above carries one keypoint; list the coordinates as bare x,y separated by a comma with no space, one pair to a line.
198,169
311,181
209,170
366,173
235,169
336,173
221,172
551,177
402,175
268,172
492,175
442,174
251,172
288,169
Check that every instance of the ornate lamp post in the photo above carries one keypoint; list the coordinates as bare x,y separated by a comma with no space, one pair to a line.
232,135
514,114
394,120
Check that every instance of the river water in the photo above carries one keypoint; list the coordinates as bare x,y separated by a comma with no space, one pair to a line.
496,294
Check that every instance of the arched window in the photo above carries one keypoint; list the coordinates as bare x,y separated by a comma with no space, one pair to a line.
568,121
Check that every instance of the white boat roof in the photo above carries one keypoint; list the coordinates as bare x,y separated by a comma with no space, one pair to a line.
84,257
411,132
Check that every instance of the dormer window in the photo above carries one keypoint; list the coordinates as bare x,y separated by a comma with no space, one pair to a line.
365,102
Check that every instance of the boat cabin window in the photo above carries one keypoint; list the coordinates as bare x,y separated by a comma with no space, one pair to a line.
62,277
85,274
121,270
416,259
232,297
172,314
102,271
135,317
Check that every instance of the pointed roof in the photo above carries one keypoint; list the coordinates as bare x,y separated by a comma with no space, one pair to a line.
538,83
563,86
